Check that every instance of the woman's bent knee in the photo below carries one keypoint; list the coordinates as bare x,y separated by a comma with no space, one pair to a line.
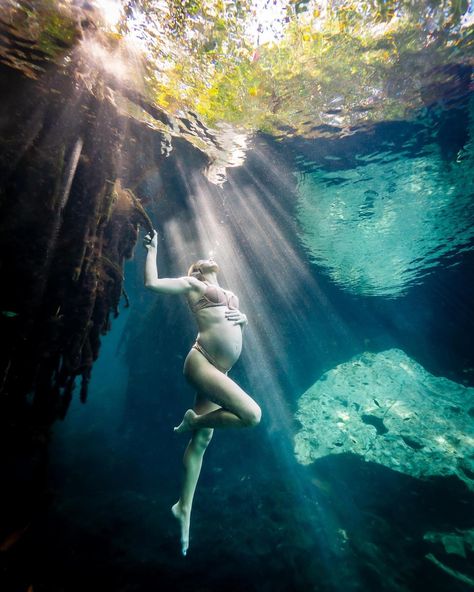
252,417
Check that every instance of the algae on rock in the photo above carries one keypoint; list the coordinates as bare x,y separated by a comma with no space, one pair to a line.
388,409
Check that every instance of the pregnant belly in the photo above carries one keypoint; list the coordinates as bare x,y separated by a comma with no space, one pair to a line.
223,341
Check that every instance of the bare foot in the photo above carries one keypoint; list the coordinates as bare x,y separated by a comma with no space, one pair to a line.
186,424
183,518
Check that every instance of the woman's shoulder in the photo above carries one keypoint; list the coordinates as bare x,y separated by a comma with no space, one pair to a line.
196,285
198,289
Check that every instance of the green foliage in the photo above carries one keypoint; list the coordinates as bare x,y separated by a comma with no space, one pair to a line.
339,63
53,25
332,62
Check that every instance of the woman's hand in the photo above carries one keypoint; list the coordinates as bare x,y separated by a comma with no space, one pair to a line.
151,241
238,318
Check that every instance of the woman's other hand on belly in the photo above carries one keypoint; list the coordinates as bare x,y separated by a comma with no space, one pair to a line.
236,317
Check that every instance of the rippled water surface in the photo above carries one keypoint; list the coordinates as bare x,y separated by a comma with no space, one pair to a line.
378,228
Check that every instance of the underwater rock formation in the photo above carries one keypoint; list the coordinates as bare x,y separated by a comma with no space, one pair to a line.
454,543
459,543
388,409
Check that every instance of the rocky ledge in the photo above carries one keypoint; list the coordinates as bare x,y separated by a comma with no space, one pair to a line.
388,409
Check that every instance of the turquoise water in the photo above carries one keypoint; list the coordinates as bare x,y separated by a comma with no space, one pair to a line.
352,256
293,504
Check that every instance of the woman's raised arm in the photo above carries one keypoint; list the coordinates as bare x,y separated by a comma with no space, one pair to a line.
180,285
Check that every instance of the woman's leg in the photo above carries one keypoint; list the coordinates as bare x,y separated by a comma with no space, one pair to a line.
238,410
192,462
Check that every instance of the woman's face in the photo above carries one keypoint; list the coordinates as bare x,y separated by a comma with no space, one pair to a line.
208,265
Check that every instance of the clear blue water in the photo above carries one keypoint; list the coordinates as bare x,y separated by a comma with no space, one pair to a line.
341,248
261,520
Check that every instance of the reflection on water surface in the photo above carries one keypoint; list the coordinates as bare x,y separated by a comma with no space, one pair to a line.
380,227
313,68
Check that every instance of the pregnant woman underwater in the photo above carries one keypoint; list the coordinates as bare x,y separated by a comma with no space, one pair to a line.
219,401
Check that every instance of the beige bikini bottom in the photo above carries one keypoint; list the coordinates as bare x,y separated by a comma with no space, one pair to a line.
208,357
